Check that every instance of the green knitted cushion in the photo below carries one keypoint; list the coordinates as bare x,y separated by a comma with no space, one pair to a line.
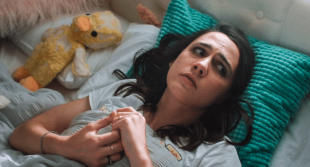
281,79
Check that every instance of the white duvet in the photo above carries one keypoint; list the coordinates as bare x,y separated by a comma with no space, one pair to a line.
25,104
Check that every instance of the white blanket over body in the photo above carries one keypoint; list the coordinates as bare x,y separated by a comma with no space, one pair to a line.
25,104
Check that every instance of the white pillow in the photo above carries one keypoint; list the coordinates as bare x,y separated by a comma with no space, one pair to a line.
137,37
95,59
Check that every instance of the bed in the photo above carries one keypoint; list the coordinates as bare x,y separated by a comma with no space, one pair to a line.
278,29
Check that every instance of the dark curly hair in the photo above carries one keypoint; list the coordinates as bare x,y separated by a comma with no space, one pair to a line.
151,67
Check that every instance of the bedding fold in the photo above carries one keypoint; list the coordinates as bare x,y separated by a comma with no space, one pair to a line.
25,105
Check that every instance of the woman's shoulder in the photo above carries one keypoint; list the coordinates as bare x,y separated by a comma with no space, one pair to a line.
99,96
221,145
219,154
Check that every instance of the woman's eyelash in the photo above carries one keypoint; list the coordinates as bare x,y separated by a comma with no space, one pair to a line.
222,69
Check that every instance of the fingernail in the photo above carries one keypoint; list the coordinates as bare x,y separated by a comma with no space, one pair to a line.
112,114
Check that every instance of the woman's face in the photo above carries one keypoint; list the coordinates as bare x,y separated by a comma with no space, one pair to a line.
204,71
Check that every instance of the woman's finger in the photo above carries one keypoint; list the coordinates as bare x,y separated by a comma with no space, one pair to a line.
117,119
116,157
126,113
97,125
113,114
122,116
109,137
106,161
116,147
120,123
108,150
126,109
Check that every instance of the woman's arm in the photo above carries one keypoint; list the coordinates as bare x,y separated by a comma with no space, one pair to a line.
84,146
27,136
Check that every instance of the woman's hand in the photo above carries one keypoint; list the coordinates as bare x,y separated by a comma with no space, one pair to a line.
132,129
91,149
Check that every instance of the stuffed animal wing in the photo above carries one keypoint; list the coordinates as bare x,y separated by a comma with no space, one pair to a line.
79,66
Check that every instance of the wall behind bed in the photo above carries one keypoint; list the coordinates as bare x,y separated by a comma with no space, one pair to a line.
280,22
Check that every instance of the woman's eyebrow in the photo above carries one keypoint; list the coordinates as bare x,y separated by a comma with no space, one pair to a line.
219,54
206,45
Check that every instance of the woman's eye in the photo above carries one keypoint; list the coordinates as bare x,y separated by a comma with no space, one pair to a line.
222,69
199,51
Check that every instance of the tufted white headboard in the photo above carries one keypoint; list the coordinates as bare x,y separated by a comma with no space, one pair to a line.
284,23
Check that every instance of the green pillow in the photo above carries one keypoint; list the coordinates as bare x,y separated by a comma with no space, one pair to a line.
281,79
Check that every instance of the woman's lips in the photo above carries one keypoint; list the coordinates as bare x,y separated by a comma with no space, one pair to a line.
189,79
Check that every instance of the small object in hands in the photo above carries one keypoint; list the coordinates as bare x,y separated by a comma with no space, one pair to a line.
119,118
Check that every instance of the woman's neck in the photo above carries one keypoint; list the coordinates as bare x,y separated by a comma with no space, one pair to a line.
171,112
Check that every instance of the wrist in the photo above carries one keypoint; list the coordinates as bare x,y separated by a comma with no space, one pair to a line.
140,157
63,147
42,138
141,160
53,144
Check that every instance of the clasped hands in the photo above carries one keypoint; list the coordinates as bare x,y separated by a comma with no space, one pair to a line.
128,134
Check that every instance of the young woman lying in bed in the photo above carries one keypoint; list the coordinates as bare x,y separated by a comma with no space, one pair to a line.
189,87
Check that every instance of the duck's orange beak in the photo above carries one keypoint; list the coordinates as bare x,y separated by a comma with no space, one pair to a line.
83,23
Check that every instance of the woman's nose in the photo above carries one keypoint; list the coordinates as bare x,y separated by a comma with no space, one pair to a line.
200,68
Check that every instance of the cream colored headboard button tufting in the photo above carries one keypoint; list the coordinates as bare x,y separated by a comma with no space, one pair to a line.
280,22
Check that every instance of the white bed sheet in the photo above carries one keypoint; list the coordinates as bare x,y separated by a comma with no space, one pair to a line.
294,147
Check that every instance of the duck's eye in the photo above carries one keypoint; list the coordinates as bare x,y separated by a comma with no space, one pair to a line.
94,33
87,14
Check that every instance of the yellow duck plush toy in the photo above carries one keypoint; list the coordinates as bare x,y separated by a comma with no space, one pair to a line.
61,45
